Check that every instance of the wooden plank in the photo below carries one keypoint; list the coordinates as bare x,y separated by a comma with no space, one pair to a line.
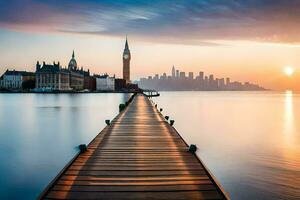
134,182
139,156
134,173
135,188
144,178
176,195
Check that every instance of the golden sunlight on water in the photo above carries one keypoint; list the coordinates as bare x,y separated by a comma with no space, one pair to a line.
288,119
291,150
249,140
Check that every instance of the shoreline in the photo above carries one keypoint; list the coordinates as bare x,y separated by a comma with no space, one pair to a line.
88,92
63,92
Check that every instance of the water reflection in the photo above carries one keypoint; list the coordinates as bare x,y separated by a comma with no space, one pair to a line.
289,118
39,134
249,140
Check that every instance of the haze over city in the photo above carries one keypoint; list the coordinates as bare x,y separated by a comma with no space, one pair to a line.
254,41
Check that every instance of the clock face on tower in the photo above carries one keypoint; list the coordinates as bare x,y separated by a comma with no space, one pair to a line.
125,56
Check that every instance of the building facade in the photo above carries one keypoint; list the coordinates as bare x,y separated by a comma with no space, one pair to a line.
120,84
55,77
89,82
76,75
105,83
126,62
52,77
14,80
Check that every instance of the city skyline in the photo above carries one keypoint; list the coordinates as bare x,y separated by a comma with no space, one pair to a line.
178,80
237,38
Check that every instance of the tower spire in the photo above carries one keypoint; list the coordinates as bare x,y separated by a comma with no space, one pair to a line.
73,55
126,44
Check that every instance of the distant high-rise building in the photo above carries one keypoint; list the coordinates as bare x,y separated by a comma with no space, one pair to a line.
177,73
221,83
227,81
191,75
164,76
182,75
173,72
212,83
206,81
201,75
126,62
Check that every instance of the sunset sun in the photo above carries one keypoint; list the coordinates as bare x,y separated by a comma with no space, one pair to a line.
289,71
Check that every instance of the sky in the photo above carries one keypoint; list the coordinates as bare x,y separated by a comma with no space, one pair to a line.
247,40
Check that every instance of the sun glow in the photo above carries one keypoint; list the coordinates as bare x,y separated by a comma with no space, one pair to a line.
289,71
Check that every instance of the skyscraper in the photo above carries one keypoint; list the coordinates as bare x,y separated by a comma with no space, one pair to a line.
173,72
201,75
191,75
126,62
177,73
227,81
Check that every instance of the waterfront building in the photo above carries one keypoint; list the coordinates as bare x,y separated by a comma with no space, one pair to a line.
15,80
105,83
126,62
120,84
52,77
89,82
76,75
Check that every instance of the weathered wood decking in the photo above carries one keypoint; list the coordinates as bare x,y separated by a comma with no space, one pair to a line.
139,156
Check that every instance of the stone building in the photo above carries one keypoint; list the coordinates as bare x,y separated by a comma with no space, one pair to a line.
89,82
76,75
14,80
120,84
105,83
126,62
52,77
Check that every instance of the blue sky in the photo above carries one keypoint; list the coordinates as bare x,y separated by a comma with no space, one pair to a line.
184,21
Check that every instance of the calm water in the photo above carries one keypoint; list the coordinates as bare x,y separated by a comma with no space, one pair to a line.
39,134
250,141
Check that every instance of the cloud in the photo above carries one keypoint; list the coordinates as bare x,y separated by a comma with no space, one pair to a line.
178,21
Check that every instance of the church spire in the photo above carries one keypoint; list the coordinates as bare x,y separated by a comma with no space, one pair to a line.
73,55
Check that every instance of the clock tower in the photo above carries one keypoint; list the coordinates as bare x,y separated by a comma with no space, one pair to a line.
126,63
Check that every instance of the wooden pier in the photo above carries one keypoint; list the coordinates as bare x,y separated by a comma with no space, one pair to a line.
138,156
